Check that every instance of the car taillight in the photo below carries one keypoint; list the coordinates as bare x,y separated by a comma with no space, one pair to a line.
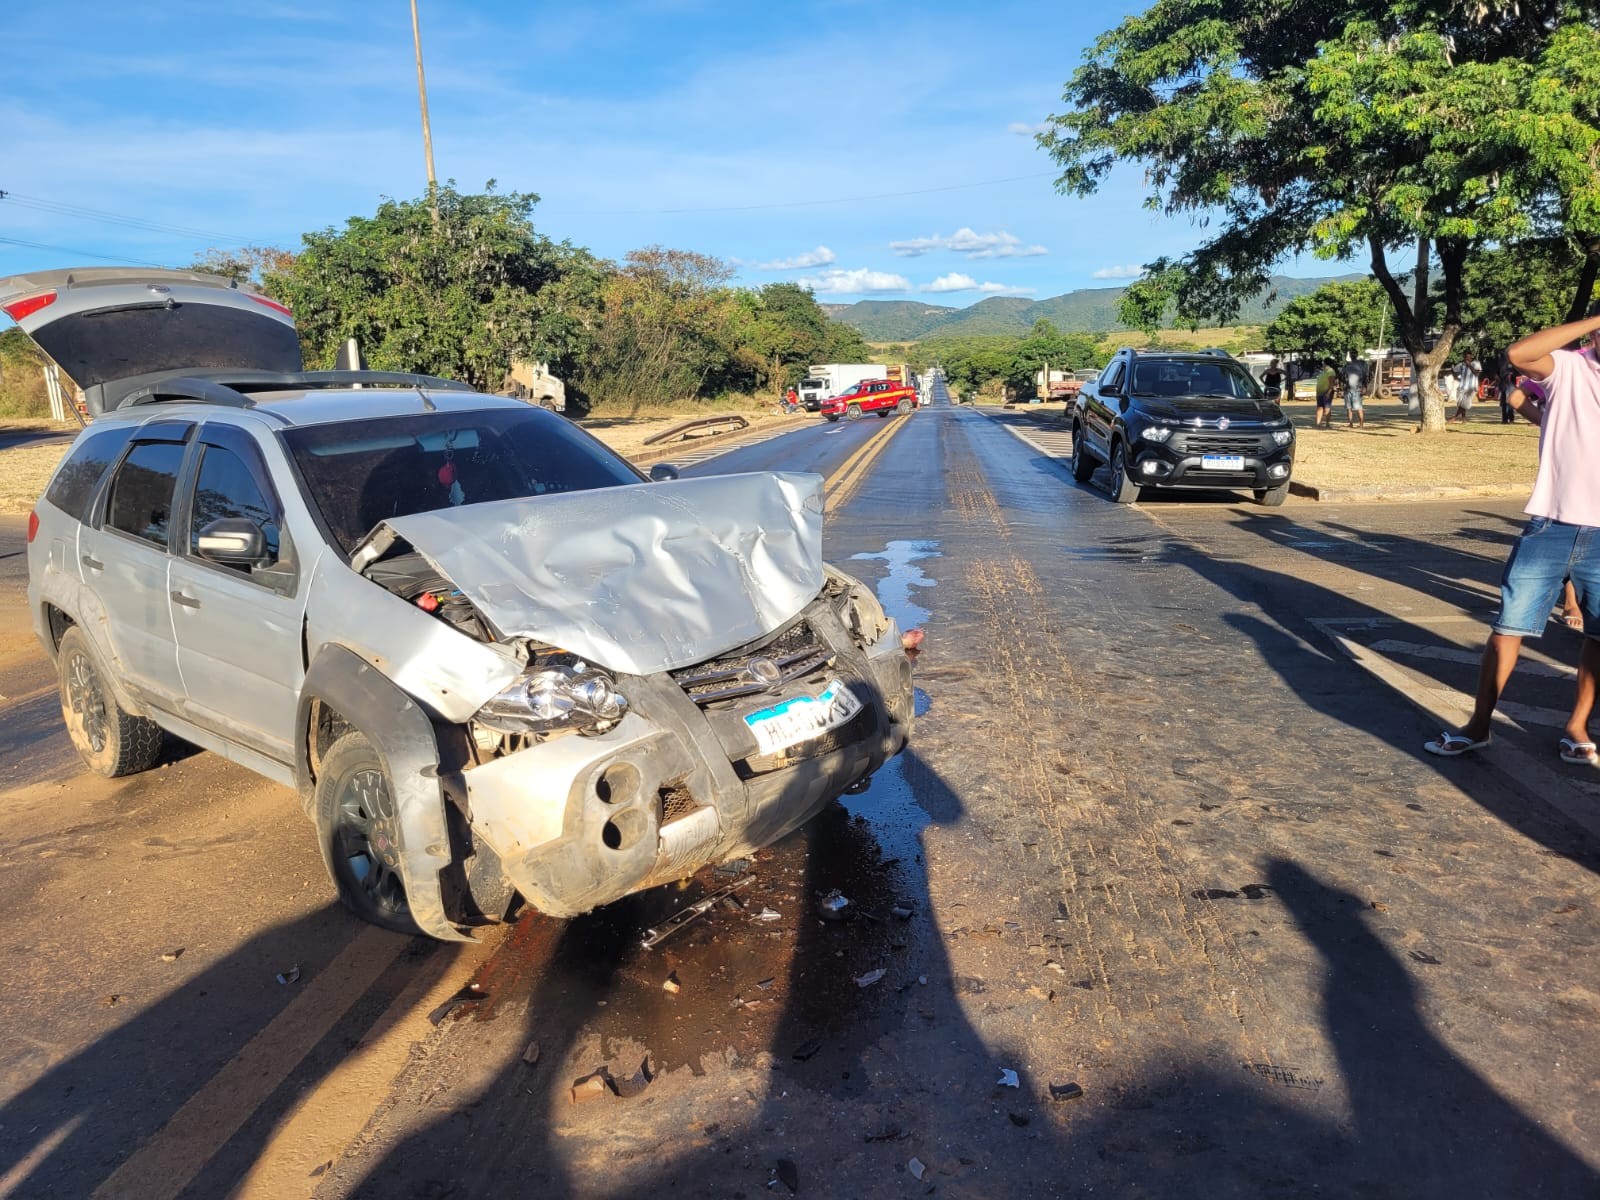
33,526
272,304
28,305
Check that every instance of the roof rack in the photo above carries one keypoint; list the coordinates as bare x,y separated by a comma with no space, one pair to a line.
233,388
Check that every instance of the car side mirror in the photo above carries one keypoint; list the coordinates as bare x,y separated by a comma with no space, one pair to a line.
233,542
662,472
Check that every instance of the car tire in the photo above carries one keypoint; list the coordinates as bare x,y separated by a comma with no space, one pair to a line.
1272,497
1083,466
903,408
853,412
885,413
358,829
1123,489
110,741
831,416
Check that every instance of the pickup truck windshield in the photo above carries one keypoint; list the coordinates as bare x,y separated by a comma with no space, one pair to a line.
1185,378
358,473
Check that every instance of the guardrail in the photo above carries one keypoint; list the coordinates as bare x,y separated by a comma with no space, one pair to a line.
733,420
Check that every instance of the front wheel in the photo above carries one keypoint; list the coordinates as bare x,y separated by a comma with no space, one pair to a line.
831,416
1273,496
358,826
1083,467
854,412
885,413
111,742
1123,489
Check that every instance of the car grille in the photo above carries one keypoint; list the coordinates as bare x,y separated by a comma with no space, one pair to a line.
797,651
1219,443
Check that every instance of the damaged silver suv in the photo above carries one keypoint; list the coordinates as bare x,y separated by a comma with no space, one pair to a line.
492,657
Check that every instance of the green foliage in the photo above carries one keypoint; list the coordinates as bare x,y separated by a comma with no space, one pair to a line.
245,264
460,295
987,361
1336,318
1368,125
1511,291
22,390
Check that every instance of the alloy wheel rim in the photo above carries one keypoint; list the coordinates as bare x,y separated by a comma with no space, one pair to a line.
83,694
366,841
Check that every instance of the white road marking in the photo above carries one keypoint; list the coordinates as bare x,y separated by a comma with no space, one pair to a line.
26,1165
1470,658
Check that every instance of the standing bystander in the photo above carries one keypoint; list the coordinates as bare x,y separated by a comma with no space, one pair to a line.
1355,382
1327,380
1561,542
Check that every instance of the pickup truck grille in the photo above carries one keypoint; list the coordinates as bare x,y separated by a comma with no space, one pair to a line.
1220,443
797,651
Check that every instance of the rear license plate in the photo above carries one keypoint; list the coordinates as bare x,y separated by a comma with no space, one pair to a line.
803,718
1222,462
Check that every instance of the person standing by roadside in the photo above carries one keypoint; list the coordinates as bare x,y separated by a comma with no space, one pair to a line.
1272,380
1508,384
1466,389
1327,380
1560,542
1355,381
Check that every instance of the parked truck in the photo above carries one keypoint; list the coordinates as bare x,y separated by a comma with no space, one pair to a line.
823,381
533,382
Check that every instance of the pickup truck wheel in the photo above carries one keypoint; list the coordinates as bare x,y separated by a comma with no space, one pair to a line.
1083,467
854,412
359,829
831,416
1273,496
885,413
1123,489
903,407
111,742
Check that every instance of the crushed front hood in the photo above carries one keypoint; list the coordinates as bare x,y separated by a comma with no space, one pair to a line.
643,578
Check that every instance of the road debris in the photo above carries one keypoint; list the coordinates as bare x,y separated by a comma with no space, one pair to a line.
871,977
835,906
1020,1120
670,984
591,1087
635,1083
917,1168
113,999
888,1133
787,1174
767,914
660,933
1065,1091
1008,1078
471,994
806,1049
289,976
766,983
729,870
531,1054
172,955
902,910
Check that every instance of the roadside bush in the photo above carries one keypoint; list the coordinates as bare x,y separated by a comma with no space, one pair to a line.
22,390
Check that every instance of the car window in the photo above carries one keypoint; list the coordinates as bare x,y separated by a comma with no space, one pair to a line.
357,474
1112,379
226,488
141,491
74,485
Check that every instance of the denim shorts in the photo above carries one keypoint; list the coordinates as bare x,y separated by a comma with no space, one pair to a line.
1352,399
1547,553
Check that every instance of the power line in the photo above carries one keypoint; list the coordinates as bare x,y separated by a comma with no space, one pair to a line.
84,213
135,262
954,187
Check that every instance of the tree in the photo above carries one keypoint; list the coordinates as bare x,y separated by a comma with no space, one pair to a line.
1513,290
459,296
1366,125
1334,319
245,264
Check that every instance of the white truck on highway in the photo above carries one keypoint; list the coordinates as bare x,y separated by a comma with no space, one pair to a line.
826,380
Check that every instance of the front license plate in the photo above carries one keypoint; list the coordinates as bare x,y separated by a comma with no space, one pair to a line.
1222,462
803,718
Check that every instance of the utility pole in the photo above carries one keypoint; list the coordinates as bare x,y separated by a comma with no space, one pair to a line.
427,129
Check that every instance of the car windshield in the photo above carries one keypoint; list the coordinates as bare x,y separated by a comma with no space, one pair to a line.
1180,377
358,473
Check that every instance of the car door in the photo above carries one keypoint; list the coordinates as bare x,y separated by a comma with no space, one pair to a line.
124,560
1101,410
238,626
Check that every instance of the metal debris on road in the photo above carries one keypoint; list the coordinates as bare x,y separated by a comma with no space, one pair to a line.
1008,1078
767,914
835,906
1065,1091
917,1168
787,1174
670,984
766,983
471,994
728,870
871,977
628,1088
655,935
289,976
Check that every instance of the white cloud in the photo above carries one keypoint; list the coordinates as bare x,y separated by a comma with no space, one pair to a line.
860,281
969,242
1023,129
997,288
820,257
1129,271
953,282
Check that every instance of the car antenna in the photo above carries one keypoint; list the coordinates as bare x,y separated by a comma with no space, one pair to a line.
427,400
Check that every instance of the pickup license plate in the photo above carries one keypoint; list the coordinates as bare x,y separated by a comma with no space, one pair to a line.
1222,462
803,718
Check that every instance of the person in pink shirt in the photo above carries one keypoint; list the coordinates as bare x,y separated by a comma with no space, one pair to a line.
1560,542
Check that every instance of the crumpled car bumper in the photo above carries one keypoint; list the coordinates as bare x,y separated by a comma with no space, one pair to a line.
578,822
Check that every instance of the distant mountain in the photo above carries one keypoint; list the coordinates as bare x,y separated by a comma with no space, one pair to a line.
1086,310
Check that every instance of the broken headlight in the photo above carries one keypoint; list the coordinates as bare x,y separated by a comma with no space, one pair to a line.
556,697
858,609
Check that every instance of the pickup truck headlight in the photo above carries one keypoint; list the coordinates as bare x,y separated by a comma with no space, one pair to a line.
1156,433
553,698
1283,436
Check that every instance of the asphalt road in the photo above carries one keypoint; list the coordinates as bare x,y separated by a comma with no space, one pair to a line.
1166,832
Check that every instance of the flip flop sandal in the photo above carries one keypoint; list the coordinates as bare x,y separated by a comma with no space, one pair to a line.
1578,752
1453,745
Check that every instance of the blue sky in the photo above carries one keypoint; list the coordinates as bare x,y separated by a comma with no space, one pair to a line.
783,137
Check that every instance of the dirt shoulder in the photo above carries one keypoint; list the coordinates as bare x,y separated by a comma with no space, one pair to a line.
30,449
